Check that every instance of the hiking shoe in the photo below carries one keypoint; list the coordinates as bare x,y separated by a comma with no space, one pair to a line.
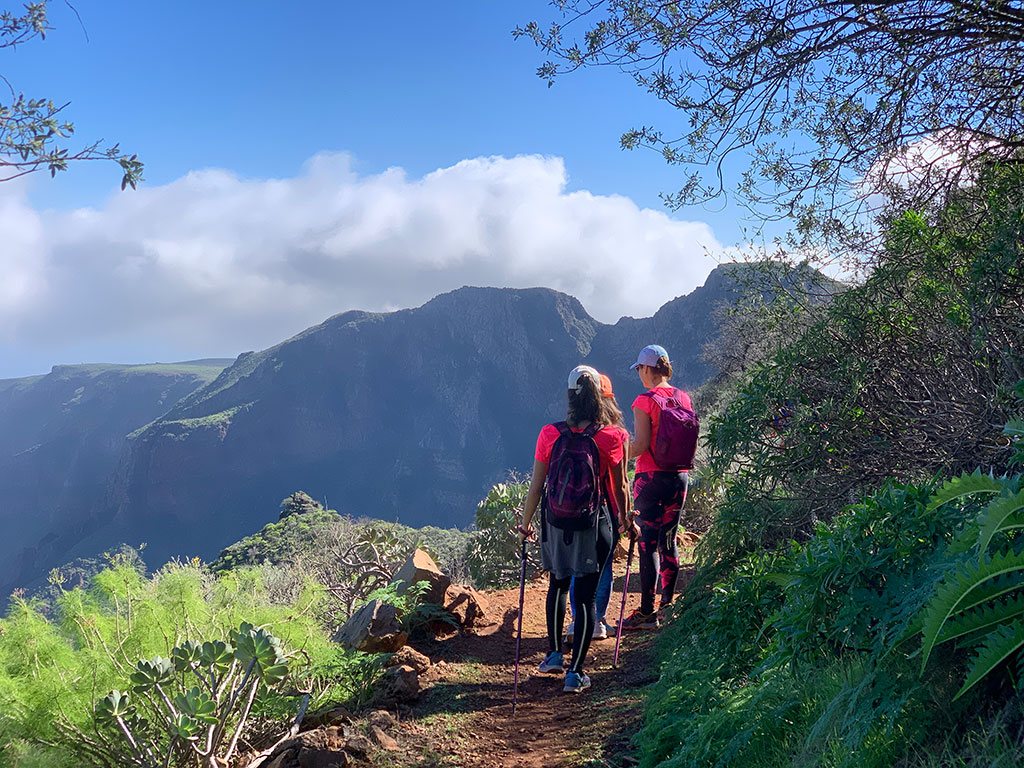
552,663
600,631
575,683
637,620
569,632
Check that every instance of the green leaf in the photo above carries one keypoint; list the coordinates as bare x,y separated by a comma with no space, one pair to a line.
993,518
197,705
981,617
216,654
151,673
184,727
953,592
965,485
112,706
1002,642
185,655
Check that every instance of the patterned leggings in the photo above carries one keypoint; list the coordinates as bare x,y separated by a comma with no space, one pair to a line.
659,499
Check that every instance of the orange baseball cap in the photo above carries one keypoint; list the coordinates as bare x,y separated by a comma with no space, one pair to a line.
606,387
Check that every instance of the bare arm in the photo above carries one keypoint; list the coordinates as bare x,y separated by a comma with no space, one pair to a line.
540,472
642,441
619,492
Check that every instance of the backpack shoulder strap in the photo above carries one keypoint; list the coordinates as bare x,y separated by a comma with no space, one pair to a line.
563,428
592,430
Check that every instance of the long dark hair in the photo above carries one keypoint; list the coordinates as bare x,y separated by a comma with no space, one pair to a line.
611,413
585,402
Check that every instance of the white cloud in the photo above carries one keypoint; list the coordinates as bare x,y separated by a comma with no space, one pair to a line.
214,264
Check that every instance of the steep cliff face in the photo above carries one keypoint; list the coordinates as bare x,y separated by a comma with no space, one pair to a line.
60,438
409,415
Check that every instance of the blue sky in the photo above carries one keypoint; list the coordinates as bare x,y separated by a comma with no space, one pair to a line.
302,94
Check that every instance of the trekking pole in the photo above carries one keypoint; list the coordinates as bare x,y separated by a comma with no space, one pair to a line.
622,608
519,630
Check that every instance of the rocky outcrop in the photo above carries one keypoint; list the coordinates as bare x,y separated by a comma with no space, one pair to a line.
420,568
61,436
374,628
408,656
467,606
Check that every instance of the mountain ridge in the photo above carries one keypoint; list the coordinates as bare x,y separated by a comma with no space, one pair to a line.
407,415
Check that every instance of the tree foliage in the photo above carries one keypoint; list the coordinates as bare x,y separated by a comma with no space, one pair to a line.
825,102
906,376
33,129
494,552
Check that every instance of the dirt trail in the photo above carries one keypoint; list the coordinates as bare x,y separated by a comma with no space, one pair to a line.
465,717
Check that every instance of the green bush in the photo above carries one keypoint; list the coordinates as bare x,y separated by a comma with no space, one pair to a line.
797,652
55,668
494,552
903,377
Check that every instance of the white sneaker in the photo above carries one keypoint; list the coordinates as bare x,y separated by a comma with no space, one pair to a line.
569,632
600,631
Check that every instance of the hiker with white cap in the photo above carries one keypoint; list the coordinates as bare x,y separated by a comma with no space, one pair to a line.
611,415
666,430
574,461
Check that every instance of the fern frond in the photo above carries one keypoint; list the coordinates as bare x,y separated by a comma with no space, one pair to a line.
994,516
981,617
965,541
1014,428
992,589
965,485
954,593
998,646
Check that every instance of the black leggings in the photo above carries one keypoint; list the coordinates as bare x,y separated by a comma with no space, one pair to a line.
660,497
586,610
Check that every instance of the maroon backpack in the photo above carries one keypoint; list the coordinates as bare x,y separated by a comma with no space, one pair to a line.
572,492
675,444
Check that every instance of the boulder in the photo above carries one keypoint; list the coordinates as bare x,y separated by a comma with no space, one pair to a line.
382,719
399,684
410,657
333,715
384,741
421,567
468,606
320,748
374,628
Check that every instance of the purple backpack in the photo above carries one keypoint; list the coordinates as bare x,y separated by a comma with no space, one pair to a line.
572,493
675,444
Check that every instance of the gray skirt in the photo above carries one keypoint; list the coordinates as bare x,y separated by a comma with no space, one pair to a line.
578,556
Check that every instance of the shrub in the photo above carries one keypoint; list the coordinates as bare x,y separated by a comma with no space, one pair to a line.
53,671
903,377
494,551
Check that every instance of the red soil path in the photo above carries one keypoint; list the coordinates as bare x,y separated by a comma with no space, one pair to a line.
465,717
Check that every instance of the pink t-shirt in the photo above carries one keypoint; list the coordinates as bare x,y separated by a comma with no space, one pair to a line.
645,461
611,443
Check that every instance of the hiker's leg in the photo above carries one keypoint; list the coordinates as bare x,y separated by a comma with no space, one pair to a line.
604,584
669,555
649,514
586,586
557,591
667,548
572,597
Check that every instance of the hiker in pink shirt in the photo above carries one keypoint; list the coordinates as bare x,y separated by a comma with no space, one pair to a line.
666,437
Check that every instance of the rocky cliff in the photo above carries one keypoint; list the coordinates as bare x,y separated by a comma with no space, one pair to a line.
61,436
